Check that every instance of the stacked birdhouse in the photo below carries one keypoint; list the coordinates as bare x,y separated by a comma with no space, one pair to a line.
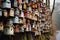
24,16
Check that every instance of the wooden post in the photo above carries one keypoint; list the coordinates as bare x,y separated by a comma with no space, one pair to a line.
24,37
48,4
29,36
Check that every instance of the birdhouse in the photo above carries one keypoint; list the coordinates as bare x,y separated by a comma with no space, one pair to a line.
15,3
5,13
27,1
22,14
16,19
1,26
9,21
34,5
34,0
24,6
6,4
29,28
0,12
9,31
26,14
29,8
17,12
16,29
11,12
20,6
21,29
20,21
19,1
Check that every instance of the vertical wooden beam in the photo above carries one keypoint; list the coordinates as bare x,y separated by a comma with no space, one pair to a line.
29,36
48,4
53,7
24,37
